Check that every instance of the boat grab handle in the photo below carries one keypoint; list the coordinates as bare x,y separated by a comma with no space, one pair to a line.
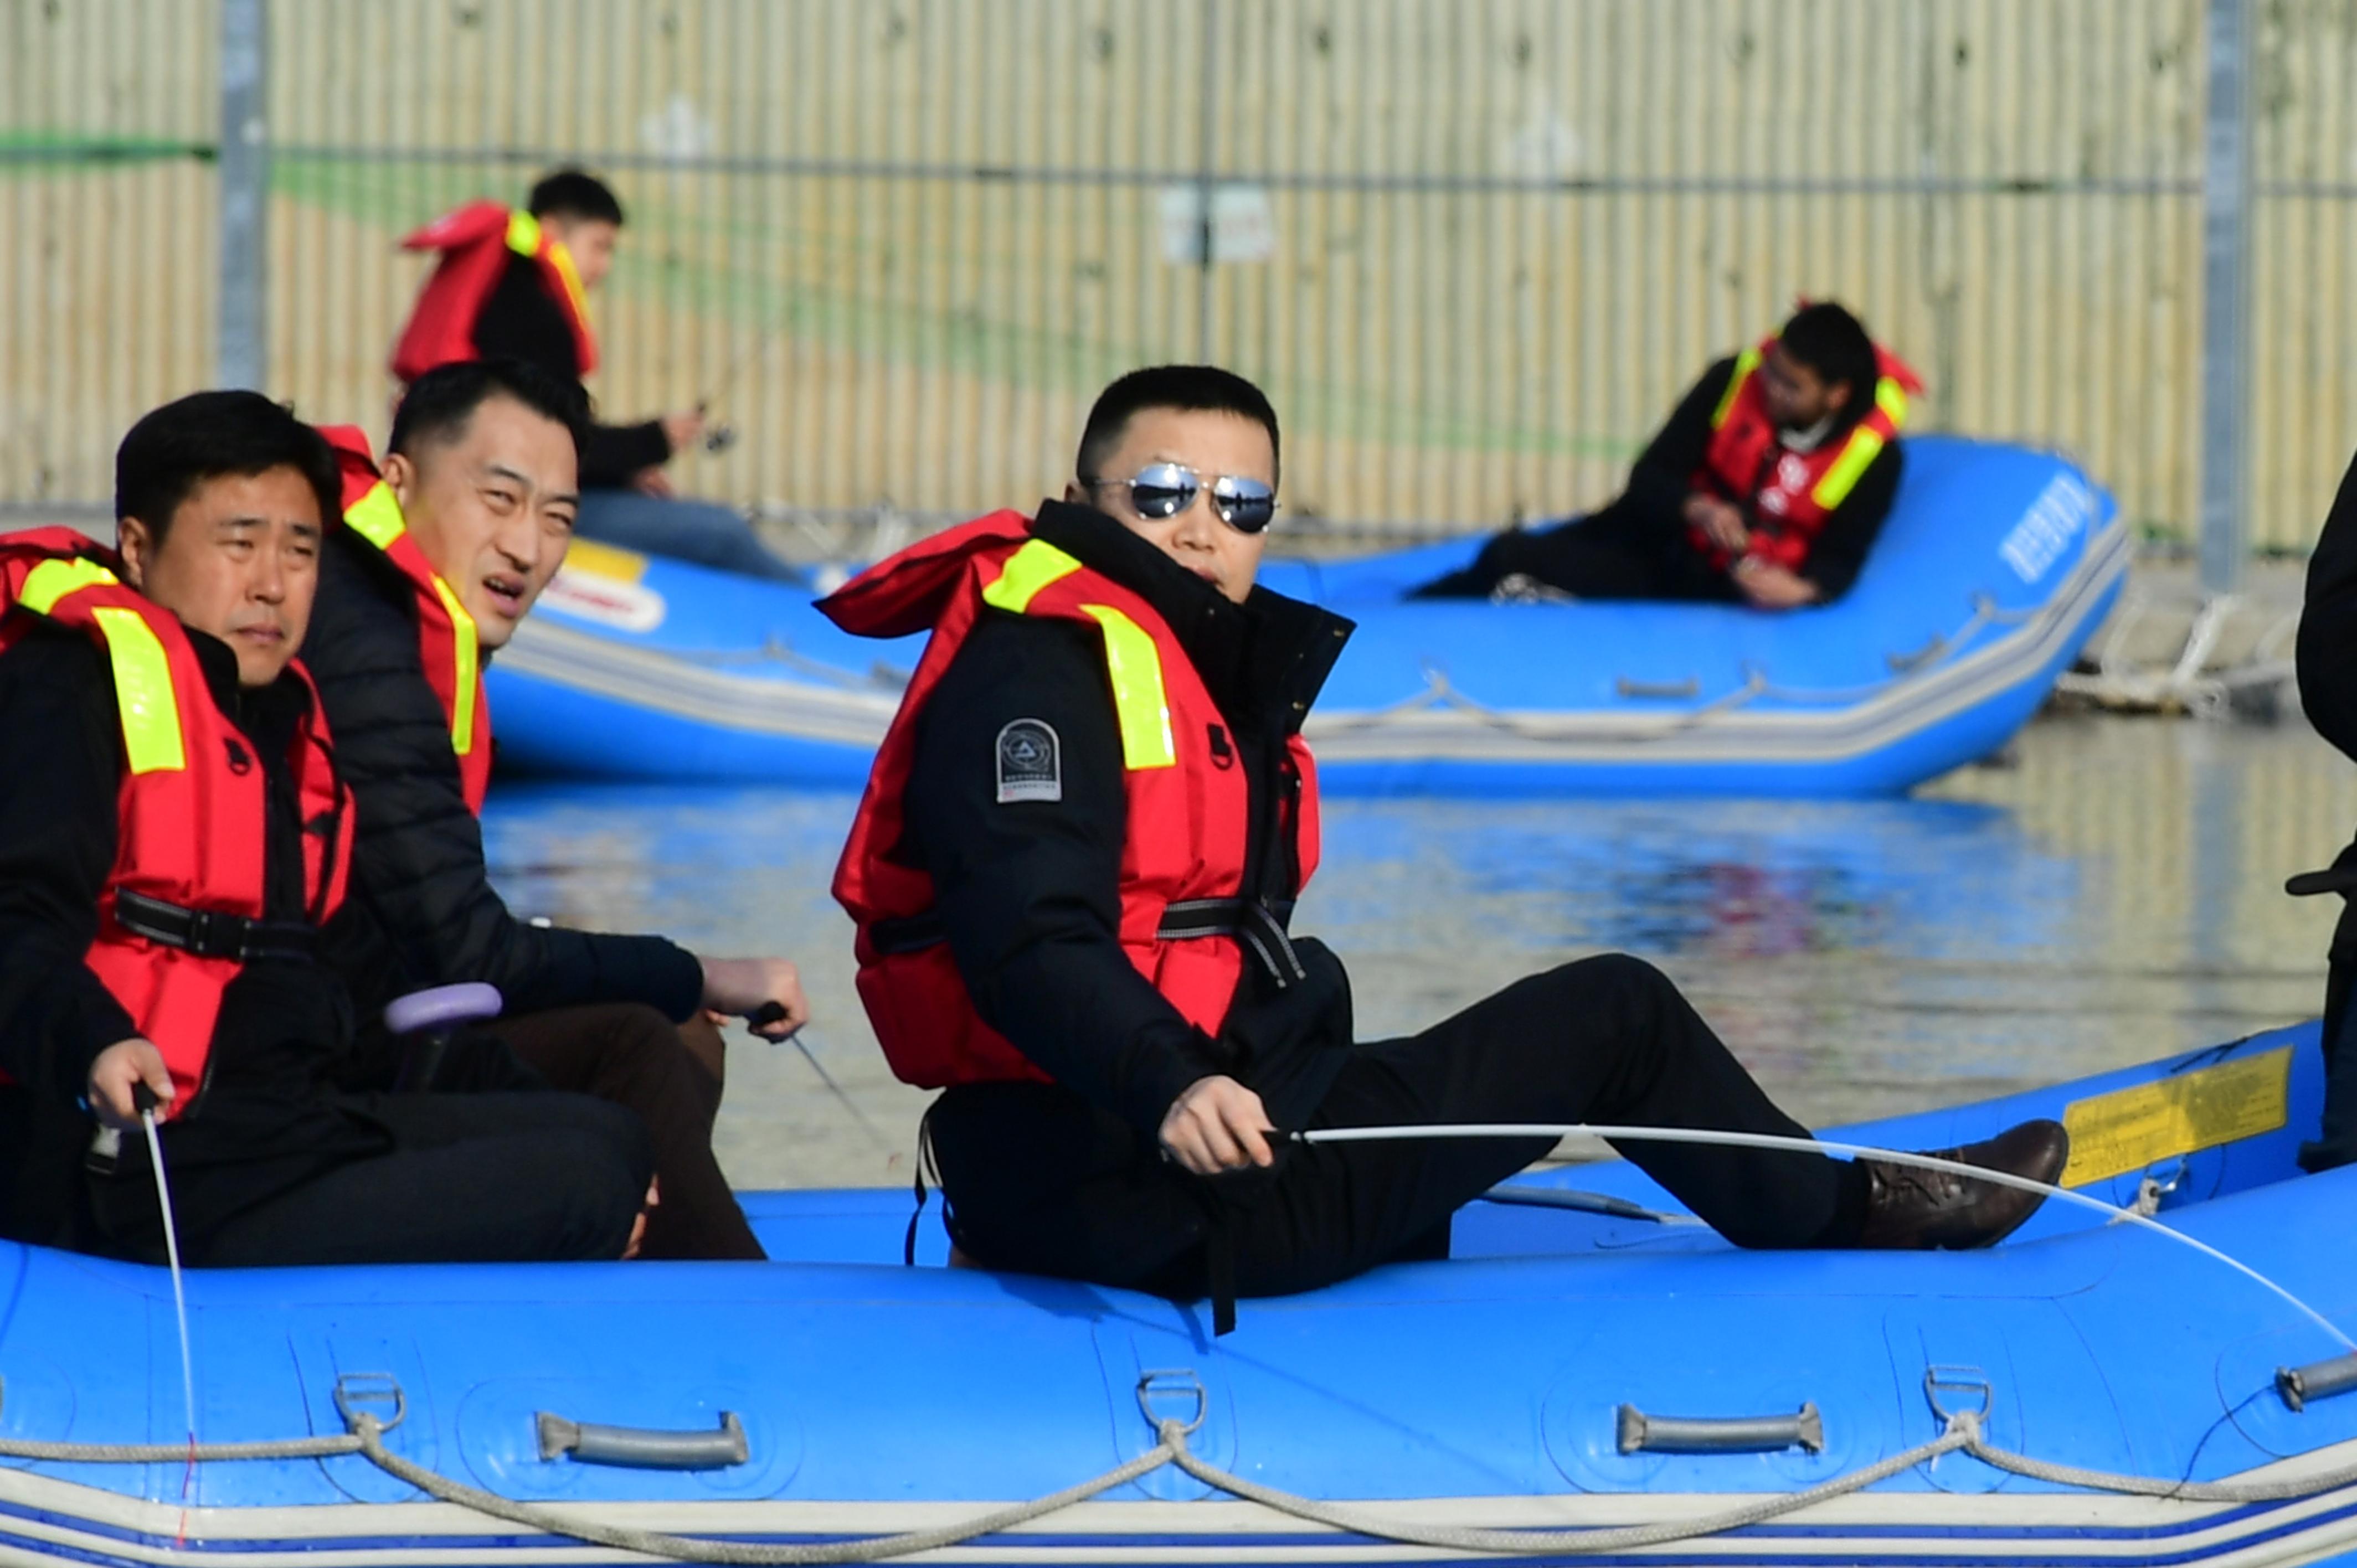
2317,1381
1642,1433
1671,691
643,1447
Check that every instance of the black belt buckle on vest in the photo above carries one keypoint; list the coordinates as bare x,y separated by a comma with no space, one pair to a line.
212,933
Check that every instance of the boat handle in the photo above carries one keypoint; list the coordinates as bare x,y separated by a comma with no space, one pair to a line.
643,1447
1902,662
2317,1381
1669,690
1642,1433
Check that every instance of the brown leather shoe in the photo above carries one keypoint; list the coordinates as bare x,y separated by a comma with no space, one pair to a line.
1907,1206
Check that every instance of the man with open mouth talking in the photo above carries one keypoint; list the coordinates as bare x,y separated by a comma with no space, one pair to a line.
437,564
1073,876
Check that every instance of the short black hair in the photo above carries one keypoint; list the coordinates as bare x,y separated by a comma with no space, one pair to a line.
438,403
576,193
175,449
1193,389
1835,344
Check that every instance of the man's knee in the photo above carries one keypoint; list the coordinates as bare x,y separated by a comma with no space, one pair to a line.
597,1165
1615,978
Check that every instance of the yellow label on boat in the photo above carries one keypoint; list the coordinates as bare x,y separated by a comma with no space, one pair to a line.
592,559
2130,1129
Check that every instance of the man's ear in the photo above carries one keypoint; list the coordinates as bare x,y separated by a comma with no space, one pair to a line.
1838,397
135,542
400,477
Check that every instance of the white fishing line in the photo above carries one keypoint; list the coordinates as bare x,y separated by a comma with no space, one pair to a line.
1813,1146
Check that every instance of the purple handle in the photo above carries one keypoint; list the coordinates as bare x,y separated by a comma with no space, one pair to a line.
442,1008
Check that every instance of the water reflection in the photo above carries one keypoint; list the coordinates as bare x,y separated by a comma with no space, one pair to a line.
2115,896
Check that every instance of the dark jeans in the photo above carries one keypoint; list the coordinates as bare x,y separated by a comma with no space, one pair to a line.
1615,554
701,532
670,1074
471,1179
1037,1181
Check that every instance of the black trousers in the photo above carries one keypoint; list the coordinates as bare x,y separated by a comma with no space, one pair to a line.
670,1074
1040,1182
493,1177
1613,554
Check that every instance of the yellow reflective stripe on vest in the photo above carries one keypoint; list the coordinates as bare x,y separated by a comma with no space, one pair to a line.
1136,666
463,660
1864,446
50,581
1028,571
1891,398
523,233
376,516
143,690
1744,363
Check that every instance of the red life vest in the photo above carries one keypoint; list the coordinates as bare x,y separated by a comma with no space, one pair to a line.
1788,494
445,632
476,242
191,813
1187,800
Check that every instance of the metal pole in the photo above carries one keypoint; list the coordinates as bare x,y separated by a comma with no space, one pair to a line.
243,358
2226,299
1207,186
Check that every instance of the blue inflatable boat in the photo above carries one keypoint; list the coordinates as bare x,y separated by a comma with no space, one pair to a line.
1591,1377
1995,566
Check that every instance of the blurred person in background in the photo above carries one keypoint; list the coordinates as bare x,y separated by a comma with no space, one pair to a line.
516,286
1767,487
439,561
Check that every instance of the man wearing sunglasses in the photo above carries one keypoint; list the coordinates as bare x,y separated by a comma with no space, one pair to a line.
1073,876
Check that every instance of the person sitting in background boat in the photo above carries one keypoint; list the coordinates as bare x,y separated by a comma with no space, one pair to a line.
2326,662
1072,875
172,832
439,561
1767,487
516,284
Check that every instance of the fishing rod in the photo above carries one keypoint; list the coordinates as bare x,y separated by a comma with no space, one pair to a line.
144,1097
775,1012
723,435
2113,1212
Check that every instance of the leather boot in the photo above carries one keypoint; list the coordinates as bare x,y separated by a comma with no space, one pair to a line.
1909,1207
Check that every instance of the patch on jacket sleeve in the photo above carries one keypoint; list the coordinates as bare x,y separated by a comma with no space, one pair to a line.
1031,766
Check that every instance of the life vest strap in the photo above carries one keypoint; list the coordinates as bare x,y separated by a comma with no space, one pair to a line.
214,933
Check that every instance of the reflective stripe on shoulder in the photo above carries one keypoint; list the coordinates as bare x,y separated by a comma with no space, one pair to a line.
1891,398
1857,454
50,581
523,233
463,660
376,516
1744,363
1028,570
1136,666
143,691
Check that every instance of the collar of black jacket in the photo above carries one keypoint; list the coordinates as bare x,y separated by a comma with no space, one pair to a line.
268,715
1265,659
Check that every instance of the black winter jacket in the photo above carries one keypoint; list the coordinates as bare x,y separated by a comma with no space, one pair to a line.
1030,892
285,1026
422,911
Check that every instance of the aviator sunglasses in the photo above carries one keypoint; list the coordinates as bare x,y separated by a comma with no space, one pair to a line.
1162,490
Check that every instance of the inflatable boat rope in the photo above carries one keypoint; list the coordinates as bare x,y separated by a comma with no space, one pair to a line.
1961,1431
1439,692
